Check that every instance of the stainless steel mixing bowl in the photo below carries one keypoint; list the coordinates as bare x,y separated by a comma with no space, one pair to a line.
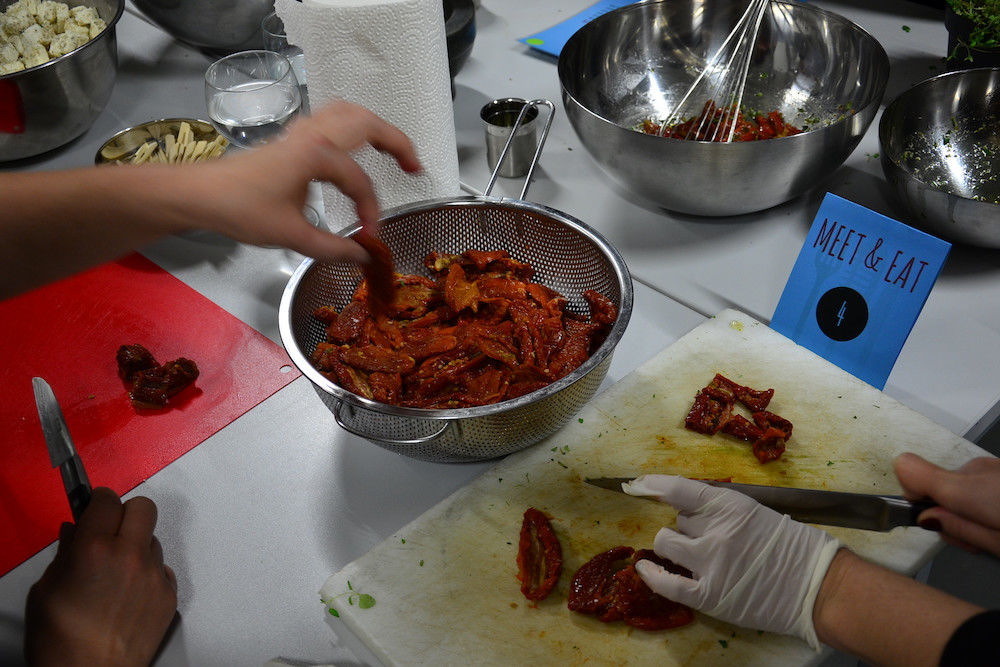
60,100
568,256
219,25
816,67
940,150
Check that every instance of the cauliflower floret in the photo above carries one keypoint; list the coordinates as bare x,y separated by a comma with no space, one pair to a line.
10,68
47,12
16,21
33,34
83,15
8,53
62,16
97,27
30,6
18,43
37,55
78,31
62,44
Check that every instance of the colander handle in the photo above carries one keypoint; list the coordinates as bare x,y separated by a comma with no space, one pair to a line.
510,140
342,423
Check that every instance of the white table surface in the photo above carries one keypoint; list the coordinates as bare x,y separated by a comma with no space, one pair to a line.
255,518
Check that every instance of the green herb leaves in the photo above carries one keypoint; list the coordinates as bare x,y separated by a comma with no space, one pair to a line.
364,600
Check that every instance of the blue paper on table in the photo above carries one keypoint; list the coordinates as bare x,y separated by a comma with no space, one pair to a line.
857,288
552,40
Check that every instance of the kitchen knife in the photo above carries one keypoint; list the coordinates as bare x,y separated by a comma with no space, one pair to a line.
61,450
831,508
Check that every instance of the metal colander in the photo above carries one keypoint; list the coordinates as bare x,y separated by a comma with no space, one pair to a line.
568,256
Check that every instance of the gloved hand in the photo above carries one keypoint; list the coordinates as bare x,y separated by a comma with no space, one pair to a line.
752,566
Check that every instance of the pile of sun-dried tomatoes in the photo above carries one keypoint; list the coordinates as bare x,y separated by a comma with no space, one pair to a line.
713,413
476,331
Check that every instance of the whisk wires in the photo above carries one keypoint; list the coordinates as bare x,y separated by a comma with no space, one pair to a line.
710,108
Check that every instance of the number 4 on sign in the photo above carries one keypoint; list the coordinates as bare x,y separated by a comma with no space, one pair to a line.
855,308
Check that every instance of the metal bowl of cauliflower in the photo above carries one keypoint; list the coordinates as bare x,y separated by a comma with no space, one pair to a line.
58,62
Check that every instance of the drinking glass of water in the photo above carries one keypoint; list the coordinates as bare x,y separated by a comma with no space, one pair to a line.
275,39
251,96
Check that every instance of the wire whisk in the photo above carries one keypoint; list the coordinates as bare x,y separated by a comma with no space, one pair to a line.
710,108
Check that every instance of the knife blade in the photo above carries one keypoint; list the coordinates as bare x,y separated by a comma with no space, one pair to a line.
62,453
831,508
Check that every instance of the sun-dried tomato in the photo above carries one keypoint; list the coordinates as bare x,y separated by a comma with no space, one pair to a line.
608,587
740,427
602,310
132,359
592,589
459,291
770,446
711,410
539,556
386,387
374,358
349,326
380,273
643,608
766,420
754,399
153,387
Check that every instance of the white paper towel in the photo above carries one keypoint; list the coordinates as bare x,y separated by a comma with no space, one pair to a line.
390,56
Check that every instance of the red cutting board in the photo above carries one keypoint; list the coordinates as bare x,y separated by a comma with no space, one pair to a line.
68,333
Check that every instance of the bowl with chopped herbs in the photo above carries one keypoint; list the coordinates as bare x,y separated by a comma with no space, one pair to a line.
940,151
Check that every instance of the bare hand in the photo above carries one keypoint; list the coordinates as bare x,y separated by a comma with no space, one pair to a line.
106,598
257,196
968,514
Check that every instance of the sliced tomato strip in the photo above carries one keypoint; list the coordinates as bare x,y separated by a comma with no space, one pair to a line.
539,556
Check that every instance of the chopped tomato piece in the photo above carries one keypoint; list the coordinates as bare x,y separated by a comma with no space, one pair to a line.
770,446
740,427
379,272
711,410
539,556
608,586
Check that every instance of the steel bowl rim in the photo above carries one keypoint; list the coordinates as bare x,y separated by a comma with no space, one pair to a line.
883,132
110,27
796,5
455,414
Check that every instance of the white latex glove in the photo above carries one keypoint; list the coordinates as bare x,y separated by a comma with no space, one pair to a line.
752,566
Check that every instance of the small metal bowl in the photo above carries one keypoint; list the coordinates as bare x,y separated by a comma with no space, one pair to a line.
940,150
121,147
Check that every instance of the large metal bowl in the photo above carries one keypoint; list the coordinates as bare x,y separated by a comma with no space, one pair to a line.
940,150
567,255
218,25
59,100
636,63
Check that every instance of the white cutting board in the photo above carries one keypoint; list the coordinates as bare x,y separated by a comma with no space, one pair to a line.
445,585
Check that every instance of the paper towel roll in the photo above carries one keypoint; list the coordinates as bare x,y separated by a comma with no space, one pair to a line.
390,56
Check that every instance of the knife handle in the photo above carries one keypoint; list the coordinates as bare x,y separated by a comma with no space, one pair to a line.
917,508
79,498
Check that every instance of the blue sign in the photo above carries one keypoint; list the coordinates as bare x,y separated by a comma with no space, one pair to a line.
552,40
857,287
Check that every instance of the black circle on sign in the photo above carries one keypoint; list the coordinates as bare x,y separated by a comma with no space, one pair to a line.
842,314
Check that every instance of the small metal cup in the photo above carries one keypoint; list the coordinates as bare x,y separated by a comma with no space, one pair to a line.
499,117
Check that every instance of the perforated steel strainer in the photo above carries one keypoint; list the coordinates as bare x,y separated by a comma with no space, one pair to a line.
567,255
